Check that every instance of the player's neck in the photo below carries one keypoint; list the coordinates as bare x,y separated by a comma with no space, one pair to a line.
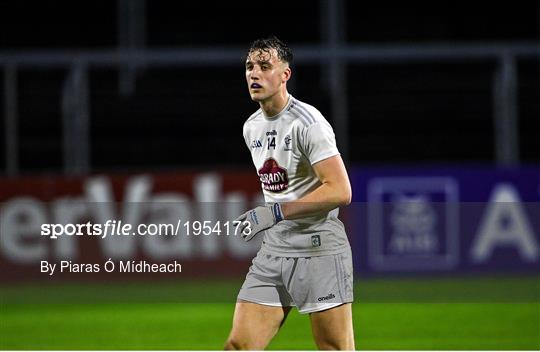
276,104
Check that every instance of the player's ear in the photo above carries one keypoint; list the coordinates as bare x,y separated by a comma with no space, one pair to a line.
287,74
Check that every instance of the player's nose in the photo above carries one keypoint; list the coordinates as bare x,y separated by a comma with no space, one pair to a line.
253,78
255,71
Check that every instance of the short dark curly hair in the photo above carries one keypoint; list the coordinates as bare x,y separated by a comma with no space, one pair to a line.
266,44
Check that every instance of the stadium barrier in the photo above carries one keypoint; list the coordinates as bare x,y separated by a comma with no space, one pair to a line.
401,221
446,220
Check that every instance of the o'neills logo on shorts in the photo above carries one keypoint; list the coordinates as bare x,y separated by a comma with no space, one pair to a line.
273,177
325,298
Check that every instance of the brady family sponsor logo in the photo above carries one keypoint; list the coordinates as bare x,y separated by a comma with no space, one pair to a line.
273,177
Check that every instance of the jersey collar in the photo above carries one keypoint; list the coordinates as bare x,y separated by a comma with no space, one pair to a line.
275,117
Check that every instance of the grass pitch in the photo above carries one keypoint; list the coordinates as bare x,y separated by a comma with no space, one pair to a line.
406,314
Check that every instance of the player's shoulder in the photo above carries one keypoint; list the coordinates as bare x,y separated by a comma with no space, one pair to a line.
257,115
306,114
254,116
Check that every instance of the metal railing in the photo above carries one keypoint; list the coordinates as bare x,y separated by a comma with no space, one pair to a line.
76,106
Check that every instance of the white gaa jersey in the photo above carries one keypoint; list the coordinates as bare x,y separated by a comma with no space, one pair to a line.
284,148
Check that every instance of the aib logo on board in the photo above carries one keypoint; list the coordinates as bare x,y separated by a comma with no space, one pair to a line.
413,223
273,177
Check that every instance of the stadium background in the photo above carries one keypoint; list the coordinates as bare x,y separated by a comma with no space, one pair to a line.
142,102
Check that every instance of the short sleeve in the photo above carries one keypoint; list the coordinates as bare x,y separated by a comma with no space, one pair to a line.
319,142
245,134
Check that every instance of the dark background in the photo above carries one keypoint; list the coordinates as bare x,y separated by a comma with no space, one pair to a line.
191,117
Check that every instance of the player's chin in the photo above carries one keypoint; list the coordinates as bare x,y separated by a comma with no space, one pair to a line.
256,96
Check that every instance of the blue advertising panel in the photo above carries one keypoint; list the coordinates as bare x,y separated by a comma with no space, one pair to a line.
451,219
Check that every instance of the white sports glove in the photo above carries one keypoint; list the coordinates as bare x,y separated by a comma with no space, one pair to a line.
259,219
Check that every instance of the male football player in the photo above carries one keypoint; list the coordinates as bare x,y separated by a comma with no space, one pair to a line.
305,258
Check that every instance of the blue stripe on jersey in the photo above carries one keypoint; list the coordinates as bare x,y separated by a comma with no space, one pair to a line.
309,120
300,116
306,113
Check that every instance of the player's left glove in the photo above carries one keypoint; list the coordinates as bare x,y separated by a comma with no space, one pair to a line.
259,219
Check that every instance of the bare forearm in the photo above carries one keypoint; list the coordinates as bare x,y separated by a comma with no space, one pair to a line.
323,199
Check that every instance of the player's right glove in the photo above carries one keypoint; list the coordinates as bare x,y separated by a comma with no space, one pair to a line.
259,219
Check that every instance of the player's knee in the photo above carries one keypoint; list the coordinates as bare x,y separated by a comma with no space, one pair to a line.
340,344
234,344
334,346
324,346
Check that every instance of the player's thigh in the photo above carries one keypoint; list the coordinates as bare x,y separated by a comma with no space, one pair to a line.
333,328
254,325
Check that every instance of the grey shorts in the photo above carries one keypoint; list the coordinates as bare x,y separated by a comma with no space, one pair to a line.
312,284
